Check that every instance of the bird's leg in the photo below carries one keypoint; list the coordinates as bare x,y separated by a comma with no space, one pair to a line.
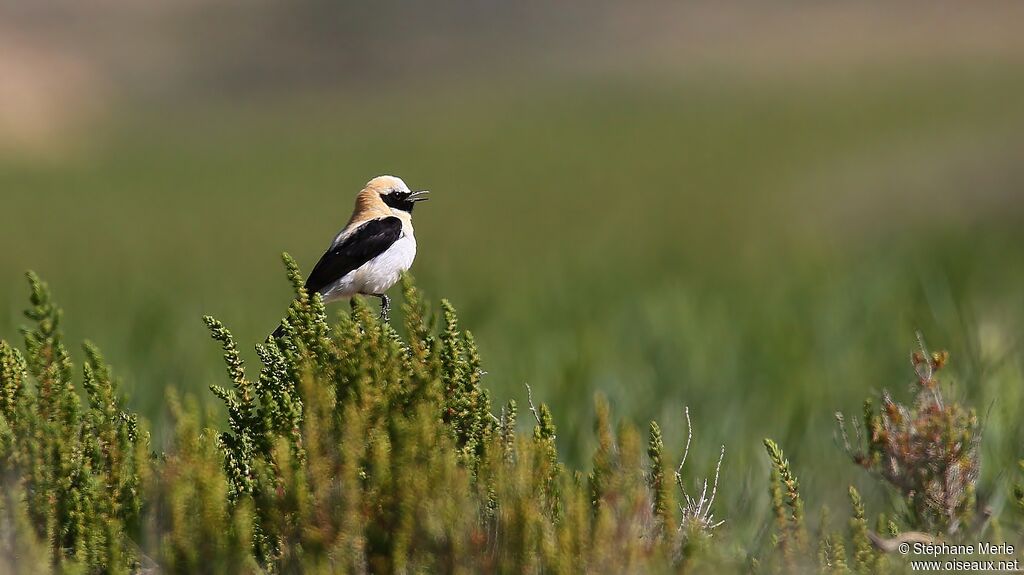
385,306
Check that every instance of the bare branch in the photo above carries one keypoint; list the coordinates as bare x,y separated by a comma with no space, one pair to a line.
529,398
686,451
718,470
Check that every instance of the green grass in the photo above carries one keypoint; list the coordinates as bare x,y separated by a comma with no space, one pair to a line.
761,250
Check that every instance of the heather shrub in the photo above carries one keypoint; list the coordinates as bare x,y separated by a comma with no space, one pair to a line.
928,451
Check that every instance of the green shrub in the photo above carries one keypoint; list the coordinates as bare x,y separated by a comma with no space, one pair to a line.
72,472
1018,489
357,449
354,450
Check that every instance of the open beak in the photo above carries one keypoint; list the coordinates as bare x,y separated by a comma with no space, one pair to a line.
420,196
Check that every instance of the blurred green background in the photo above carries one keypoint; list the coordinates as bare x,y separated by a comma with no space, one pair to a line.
743,209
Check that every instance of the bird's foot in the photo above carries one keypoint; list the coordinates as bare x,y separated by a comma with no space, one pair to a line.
385,307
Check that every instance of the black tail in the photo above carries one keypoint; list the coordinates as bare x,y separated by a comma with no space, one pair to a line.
277,332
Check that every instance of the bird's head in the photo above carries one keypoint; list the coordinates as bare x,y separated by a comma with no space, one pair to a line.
394,193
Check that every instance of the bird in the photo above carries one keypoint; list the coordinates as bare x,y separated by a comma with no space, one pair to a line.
370,253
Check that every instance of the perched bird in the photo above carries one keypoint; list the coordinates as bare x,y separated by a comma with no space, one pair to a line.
373,249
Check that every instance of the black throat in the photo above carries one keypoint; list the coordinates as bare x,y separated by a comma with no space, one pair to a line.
399,201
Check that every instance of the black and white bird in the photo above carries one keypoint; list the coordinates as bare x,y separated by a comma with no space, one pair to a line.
370,253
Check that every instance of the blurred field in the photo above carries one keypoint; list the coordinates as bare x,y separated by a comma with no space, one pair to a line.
760,247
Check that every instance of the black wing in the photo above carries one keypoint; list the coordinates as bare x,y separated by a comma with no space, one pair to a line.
365,243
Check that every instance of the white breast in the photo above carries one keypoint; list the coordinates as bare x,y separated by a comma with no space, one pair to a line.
379,274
